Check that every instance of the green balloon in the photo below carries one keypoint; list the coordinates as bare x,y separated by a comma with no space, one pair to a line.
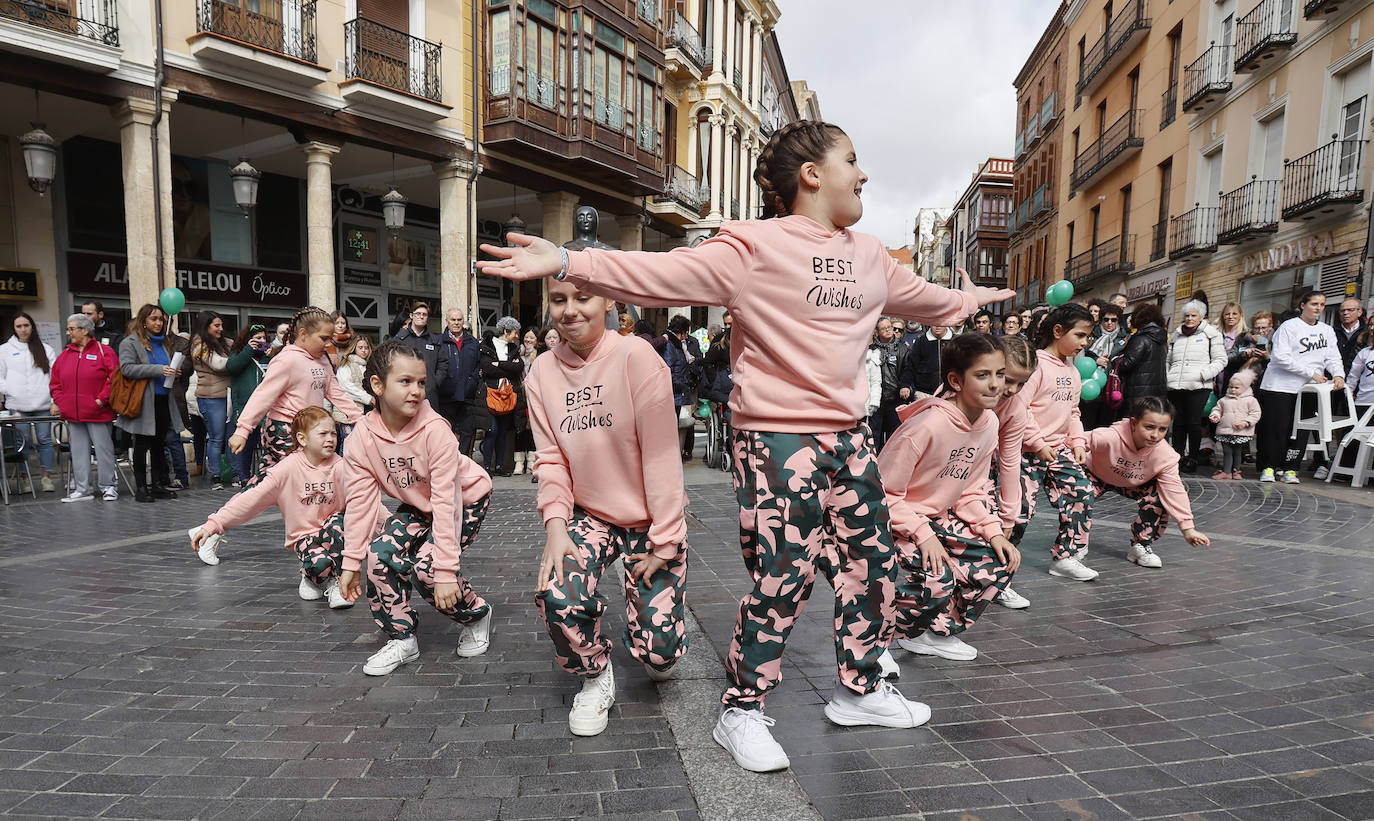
1211,403
172,301
1091,390
1099,375
1085,365
1059,293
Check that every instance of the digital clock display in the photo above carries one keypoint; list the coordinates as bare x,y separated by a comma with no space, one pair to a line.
360,245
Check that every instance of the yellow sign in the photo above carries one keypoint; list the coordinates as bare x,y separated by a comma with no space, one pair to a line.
20,285
1183,285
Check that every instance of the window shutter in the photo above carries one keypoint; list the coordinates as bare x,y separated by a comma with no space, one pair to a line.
1334,274
391,13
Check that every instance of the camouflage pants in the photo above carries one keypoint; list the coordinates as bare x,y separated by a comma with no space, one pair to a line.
655,634
276,443
1066,483
948,603
809,503
405,549
321,553
1151,519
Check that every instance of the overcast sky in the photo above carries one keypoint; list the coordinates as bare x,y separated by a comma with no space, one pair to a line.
923,88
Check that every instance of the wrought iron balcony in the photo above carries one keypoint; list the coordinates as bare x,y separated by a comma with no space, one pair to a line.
646,137
394,59
1113,256
1169,107
681,187
1312,8
607,113
1040,200
282,26
1049,111
1193,233
95,20
1158,240
684,37
1268,29
1020,216
1126,30
1117,143
1207,79
1249,211
1324,178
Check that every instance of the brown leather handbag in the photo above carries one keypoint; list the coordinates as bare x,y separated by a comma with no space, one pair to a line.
126,395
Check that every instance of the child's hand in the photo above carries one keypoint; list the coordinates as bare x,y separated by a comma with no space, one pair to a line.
1215,416
934,557
350,585
446,596
643,568
984,296
1080,455
236,444
201,535
1045,454
1241,425
526,257
558,548
1006,552
1196,538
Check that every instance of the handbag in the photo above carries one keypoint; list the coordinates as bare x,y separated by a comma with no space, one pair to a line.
126,395
1114,394
501,399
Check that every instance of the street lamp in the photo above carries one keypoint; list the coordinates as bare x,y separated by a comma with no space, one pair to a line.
513,224
245,181
394,210
40,158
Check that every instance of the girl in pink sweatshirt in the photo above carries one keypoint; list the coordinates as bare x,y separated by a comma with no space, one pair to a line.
610,487
1055,445
299,377
949,539
804,291
1013,423
1128,458
309,486
405,449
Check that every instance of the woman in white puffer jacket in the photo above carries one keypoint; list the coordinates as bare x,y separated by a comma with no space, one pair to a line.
25,372
1197,353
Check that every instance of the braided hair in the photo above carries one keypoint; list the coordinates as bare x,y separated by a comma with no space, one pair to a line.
307,319
780,162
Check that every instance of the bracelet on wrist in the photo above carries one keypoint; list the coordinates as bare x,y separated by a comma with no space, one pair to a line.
563,271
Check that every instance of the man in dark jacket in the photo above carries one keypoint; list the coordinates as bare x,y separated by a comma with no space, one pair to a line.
683,355
459,349
416,334
892,357
1349,328
922,370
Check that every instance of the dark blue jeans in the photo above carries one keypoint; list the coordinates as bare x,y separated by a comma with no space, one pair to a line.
494,445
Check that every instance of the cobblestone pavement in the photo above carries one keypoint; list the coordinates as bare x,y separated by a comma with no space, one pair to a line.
138,683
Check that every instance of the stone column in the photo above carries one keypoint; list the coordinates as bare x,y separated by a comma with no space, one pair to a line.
718,34
319,223
746,59
631,232
560,207
756,77
135,117
455,257
717,174
728,63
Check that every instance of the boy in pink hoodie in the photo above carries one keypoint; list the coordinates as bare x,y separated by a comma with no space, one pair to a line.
309,486
407,450
610,487
949,539
1126,458
805,472
299,377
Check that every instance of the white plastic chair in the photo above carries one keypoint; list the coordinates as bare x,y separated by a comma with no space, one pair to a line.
1323,425
1362,437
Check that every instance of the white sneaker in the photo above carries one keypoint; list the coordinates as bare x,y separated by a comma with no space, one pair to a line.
887,666
884,707
1072,568
1143,556
1011,599
474,639
209,549
591,707
25,485
392,655
1290,477
946,647
109,494
1321,473
76,496
1267,475
744,734
335,595
309,591
658,675
47,484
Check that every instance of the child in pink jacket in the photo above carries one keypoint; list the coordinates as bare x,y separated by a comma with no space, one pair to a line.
948,536
403,448
310,486
1128,458
610,487
1236,415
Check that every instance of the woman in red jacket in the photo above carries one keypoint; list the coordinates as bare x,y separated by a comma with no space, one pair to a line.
80,386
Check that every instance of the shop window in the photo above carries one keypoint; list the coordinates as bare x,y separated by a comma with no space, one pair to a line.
1276,292
93,184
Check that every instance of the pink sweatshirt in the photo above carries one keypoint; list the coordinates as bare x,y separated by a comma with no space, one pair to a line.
936,462
1113,459
804,302
295,381
606,432
306,494
421,467
1052,393
1012,425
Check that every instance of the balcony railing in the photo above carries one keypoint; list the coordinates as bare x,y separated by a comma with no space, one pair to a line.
646,137
1248,211
382,55
1328,176
1169,107
283,26
1207,79
1113,256
684,37
738,78
686,190
1029,134
1049,110
1115,144
607,113
1159,240
1040,200
1193,233
1312,8
1123,33
1268,29
95,20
